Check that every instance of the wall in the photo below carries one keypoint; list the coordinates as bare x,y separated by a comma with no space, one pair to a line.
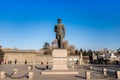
19,55
31,57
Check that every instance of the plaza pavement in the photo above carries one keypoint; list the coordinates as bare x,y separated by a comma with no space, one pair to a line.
96,72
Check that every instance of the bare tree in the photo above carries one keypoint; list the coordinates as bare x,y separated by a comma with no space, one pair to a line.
65,44
71,49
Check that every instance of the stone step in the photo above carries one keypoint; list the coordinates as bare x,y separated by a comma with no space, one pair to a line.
59,72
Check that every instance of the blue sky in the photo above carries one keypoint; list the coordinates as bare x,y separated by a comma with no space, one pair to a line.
90,24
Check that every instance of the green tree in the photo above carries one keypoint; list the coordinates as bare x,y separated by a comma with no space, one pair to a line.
81,50
89,52
76,52
84,53
46,48
118,50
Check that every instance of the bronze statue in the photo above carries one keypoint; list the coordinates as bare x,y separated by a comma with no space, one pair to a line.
60,33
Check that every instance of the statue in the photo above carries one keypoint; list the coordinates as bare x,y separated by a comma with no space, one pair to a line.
60,33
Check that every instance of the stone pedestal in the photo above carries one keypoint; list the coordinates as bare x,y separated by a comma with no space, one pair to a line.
29,68
118,75
2,75
30,74
60,63
104,71
87,75
15,71
59,59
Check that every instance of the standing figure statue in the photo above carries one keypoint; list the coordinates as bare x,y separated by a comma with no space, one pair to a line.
60,33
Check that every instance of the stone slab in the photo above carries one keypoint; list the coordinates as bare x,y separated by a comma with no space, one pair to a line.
59,59
59,53
59,72
118,75
59,64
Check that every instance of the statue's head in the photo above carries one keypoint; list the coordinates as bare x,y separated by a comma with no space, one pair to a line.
59,20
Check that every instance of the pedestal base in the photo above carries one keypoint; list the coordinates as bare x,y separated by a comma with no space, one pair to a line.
59,59
60,63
